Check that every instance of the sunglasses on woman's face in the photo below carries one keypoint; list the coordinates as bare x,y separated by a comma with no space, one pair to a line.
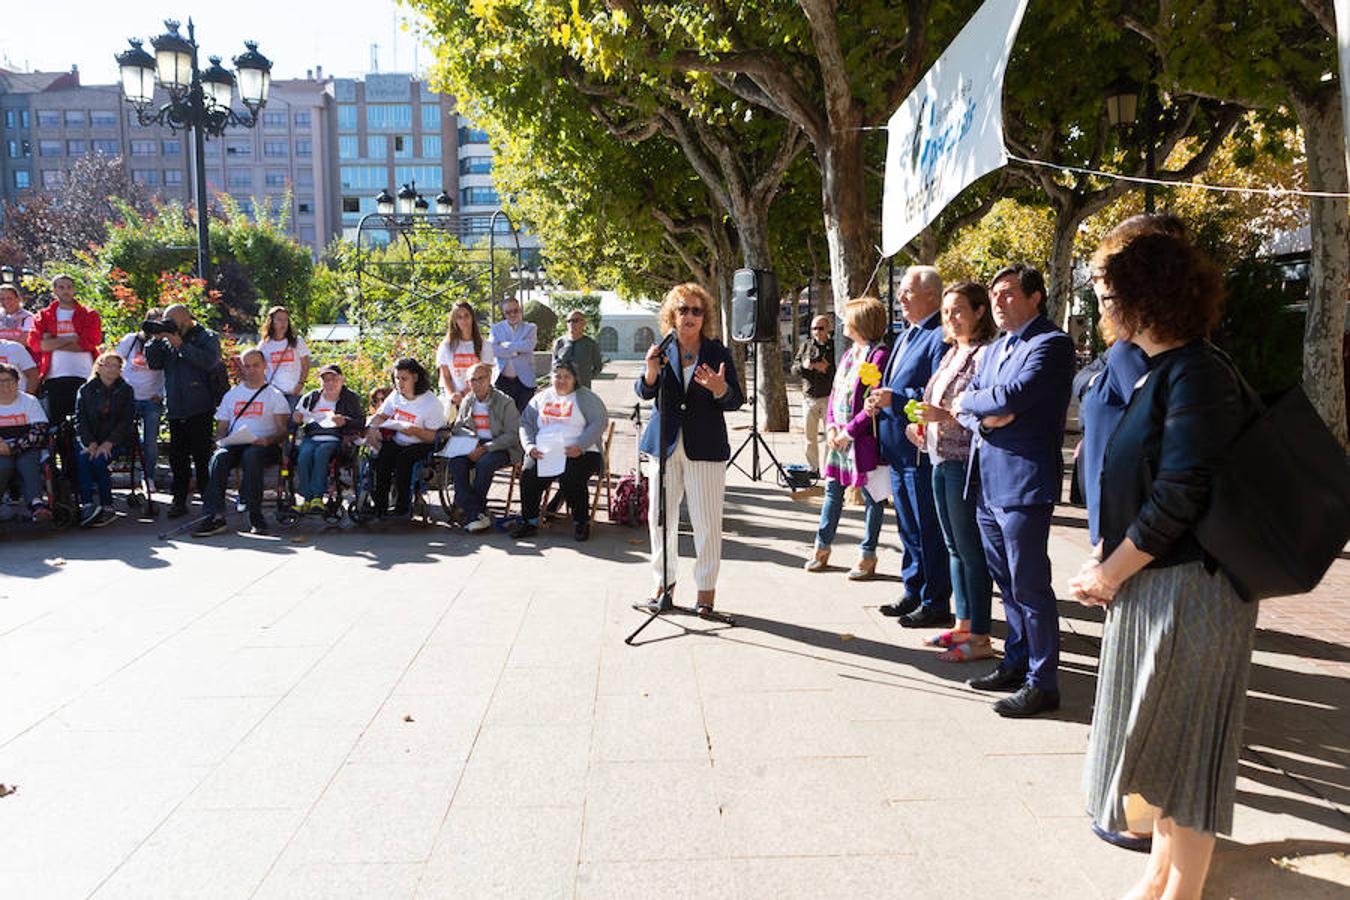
695,311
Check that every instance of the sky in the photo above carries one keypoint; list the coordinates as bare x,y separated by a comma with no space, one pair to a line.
295,34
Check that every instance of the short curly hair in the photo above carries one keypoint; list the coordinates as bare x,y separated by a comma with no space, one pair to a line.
682,294
1159,282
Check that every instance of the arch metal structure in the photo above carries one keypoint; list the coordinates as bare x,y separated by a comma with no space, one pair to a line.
474,262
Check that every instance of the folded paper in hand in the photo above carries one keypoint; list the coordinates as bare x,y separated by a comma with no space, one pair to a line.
242,434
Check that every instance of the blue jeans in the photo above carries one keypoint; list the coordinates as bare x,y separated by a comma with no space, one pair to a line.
473,480
28,465
150,412
833,507
94,472
311,471
925,571
972,588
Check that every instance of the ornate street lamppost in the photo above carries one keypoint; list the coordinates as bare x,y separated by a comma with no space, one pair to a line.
1122,111
199,100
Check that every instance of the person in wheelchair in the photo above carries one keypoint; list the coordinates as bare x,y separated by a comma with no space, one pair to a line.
105,424
488,415
414,413
329,417
23,440
251,427
564,419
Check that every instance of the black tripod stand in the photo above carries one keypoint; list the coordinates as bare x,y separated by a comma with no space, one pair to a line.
664,604
754,440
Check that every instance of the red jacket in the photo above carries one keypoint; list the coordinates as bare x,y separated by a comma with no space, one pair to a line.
88,327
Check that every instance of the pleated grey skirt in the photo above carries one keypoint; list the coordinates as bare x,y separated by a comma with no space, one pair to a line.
1171,693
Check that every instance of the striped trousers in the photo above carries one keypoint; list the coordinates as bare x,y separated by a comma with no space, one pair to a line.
703,484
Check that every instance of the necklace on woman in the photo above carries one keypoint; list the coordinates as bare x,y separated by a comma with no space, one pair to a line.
687,356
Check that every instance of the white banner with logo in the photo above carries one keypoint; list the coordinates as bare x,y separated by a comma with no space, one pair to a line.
1343,51
949,131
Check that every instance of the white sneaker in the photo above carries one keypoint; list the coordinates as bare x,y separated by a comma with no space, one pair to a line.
482,523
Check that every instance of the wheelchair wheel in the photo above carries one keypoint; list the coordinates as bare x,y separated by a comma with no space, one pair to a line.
361,509
287,518
419,512
63,516
332,510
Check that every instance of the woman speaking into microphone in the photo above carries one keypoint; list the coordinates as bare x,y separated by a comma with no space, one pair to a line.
696,381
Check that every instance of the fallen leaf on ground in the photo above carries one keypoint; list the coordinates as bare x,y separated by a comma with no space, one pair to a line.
299,539
846,637
7,789
636,541
59,561
408,719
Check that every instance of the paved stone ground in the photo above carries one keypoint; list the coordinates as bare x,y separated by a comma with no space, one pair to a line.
407,713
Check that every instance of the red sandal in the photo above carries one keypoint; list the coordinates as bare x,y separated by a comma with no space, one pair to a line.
947,638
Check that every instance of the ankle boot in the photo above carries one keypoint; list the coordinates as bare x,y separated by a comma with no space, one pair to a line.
820,558
865,569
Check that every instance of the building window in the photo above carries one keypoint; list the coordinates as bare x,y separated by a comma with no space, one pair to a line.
246,207
475,165
346,117
171,148
76,118
643,339
351,204
274,118
213,148
53,178
477,224
13,149
426,176
239,178
11,118
307,233
478,196
274,178
431,117
48,118
22,178
302,119
608,339
305,207
75,148
349,146
377,146
304,148
362,178
23,118
469,135
142,148
103,118
389,116
147,177
402,146
49,148
275,148
304,177
173,176
106,147
431,146
238,148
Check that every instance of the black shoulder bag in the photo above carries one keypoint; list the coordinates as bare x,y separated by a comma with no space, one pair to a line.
1279,510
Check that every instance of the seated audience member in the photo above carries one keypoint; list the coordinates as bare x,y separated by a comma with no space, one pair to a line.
148,386
568,419
255,405
15,354
327,415
489,415
16,323
413,413
105,424
23,438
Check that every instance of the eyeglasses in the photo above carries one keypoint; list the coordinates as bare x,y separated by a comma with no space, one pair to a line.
818,328
695,311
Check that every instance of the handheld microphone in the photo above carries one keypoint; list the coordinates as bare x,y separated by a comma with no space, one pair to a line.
667,341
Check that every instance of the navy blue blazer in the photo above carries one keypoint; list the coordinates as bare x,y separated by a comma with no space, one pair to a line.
1022,463
913,360
692,414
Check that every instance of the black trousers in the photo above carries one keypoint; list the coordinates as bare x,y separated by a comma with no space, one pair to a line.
573,481
395,462
191,442
60,396
516,389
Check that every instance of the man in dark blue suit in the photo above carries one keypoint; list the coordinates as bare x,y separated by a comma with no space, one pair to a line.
1016,406
913,359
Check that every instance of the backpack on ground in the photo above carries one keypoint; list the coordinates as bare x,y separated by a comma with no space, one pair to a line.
628,504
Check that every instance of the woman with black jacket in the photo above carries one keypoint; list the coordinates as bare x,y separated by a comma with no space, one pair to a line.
697,382
1177,645
105,423
329,416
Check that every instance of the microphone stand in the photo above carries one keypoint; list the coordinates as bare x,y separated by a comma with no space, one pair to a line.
666,605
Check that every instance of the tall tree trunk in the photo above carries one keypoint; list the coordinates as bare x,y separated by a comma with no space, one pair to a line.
770,387
1319,115
844,201
1059,280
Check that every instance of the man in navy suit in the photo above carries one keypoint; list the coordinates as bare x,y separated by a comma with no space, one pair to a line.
1015,406
914,358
